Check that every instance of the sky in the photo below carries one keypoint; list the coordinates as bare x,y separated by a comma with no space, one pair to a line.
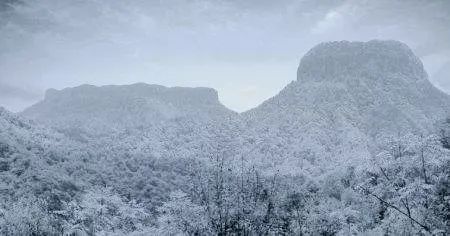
248,50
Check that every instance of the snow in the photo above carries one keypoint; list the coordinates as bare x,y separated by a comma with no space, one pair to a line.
346,96
150,155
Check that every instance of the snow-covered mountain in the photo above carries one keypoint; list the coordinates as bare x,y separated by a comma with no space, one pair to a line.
380,86
111,109
347,97
93,157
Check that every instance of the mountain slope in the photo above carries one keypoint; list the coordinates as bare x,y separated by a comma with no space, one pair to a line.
347,97
38,175
50,183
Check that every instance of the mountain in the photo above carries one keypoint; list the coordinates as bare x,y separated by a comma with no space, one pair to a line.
142,137
348,96
106,109
138,131
113,160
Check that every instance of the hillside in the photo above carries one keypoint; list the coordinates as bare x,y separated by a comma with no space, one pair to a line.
38,170
348,97
52,183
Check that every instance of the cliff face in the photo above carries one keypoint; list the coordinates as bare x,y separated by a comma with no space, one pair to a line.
375,60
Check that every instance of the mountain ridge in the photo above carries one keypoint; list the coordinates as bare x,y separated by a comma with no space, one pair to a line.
347,97
117,107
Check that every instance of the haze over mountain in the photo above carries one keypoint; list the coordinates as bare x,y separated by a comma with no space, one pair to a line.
115,108
348,96
148,154
379,86
246,50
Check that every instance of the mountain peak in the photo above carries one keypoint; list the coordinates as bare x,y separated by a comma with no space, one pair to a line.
376,58
377,87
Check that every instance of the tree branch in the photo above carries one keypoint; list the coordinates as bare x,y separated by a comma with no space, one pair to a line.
367,191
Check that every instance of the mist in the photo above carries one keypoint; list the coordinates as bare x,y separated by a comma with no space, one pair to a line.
247,50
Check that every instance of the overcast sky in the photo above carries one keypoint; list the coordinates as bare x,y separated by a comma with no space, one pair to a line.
248,50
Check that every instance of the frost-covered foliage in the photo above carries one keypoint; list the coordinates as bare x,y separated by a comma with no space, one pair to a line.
180,216
347,96
410,178
52,185
358,144
444,132
404,190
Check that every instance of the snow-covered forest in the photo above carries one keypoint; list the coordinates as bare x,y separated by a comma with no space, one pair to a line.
358,144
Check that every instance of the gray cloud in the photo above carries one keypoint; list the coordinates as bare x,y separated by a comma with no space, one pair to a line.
252,45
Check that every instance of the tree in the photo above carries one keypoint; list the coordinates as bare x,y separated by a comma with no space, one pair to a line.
445,133
104,212
404,179
180,216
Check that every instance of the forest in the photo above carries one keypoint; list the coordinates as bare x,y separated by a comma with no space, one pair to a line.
359,144
404,189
